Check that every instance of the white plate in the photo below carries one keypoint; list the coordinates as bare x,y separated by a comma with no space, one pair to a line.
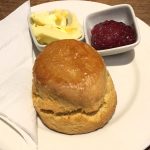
129,128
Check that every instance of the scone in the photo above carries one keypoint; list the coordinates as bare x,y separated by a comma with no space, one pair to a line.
73,92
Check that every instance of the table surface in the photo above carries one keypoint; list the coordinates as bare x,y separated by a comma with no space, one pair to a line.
141,8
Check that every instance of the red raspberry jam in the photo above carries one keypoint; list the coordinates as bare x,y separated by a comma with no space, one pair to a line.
110,34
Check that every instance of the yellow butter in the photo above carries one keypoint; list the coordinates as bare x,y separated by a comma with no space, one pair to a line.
55,25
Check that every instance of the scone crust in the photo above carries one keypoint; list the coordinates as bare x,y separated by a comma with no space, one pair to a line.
71,73
78,122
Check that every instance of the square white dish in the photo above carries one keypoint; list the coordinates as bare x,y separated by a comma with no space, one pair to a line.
120,13
37,44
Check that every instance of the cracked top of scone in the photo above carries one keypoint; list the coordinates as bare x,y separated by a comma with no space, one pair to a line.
70,75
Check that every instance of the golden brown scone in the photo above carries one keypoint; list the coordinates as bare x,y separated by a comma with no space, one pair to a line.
72,91
77,122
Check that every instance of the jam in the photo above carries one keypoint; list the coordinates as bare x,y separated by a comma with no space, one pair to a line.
110,34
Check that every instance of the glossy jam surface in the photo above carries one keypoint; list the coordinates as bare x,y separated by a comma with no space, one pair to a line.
110,34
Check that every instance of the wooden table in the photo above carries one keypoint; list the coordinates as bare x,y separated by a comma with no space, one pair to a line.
142,8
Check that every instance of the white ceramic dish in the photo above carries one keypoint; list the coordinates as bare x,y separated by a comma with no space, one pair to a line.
120,13
129,128
37,44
